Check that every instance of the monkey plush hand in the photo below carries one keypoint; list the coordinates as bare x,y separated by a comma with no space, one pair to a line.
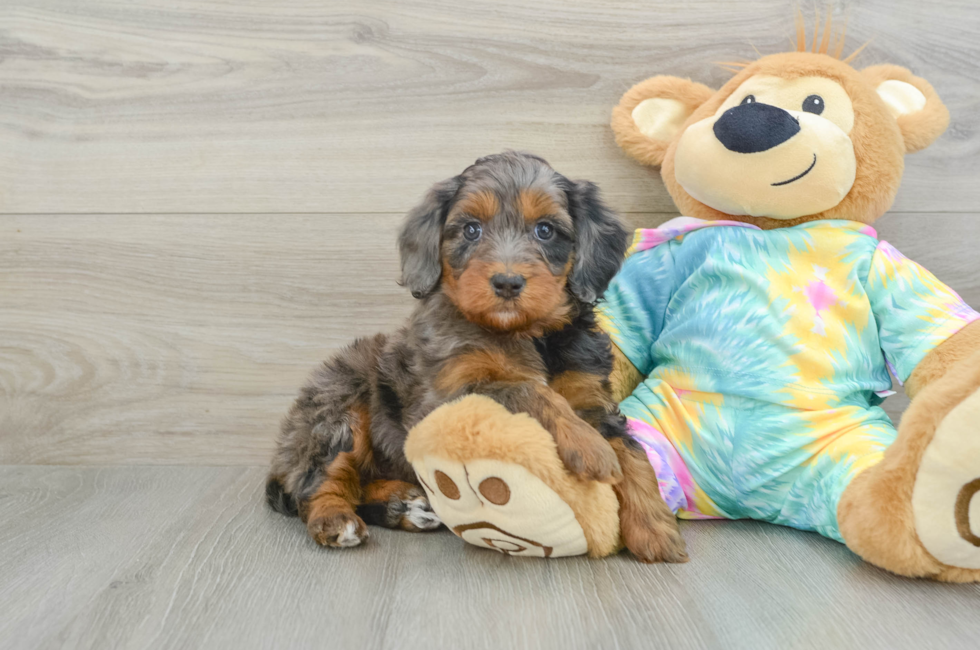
760,327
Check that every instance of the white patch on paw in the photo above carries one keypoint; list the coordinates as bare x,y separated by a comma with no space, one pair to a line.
421,515
944,520
349,536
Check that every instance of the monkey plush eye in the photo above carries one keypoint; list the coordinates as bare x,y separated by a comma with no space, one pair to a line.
749,99
813,104
472,231
544,231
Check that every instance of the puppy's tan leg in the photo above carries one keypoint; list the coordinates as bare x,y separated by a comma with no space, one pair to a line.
330,513
397,504
573,395
648,526
582,449
330,516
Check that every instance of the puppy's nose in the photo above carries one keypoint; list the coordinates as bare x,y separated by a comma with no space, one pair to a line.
507,286
755,127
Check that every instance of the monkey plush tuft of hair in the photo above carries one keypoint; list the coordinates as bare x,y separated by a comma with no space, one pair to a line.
754,335
502,372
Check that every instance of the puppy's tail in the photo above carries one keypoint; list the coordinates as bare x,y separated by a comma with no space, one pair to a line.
278,498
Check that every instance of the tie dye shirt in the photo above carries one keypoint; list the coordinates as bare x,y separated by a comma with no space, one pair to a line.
806,317
766,355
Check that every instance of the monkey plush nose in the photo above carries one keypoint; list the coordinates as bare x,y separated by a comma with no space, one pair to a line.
507,286
755,127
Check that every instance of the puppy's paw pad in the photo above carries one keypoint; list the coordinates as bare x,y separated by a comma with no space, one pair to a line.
341,530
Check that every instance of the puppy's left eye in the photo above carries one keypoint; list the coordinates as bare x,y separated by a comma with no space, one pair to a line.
472,231
813,104
544,231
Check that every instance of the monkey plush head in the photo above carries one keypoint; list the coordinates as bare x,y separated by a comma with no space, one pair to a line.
792,137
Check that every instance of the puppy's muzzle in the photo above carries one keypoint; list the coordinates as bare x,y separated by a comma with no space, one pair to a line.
507,286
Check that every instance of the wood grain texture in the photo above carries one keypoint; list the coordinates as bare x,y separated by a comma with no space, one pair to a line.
190,557
177,338
183,338
297,106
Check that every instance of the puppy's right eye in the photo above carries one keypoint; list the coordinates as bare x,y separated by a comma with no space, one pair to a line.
749,99
472,231
544,231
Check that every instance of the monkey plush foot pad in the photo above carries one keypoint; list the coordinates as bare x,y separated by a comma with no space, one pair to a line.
495,479
501,506
946,496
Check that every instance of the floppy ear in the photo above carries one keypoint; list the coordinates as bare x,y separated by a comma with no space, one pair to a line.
911,100
421,236
650,115
600,242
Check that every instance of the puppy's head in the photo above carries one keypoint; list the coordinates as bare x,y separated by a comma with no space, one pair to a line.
512,243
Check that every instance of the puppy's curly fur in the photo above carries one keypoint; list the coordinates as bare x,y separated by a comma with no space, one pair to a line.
506,260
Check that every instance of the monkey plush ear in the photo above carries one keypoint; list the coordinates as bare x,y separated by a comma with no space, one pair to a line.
650,115
911,100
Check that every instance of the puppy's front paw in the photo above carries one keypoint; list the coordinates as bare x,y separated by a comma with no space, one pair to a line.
656,542
338,530
412,511
587,455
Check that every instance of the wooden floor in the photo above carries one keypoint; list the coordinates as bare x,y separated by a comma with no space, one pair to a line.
188,557
198,201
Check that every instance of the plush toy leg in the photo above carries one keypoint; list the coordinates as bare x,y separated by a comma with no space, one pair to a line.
495,479
917,513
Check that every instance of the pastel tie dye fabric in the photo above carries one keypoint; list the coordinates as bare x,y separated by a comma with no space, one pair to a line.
766,355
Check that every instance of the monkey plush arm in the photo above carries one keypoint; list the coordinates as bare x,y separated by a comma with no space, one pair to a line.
924,328
911,512
949,357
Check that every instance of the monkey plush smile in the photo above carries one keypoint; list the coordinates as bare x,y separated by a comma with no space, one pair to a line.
799,176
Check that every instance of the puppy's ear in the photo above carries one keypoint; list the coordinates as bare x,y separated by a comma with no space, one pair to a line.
921,115
600,241
421,236
650,116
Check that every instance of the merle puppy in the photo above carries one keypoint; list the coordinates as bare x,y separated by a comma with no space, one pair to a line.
506,260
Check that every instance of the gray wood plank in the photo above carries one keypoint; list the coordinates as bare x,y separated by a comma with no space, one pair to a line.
183,338
292,106
176,557
177,338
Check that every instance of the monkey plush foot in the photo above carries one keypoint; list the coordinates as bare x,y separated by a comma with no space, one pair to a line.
946,495
917,513
495,479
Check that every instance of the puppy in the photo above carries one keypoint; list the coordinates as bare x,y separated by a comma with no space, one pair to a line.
506,260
